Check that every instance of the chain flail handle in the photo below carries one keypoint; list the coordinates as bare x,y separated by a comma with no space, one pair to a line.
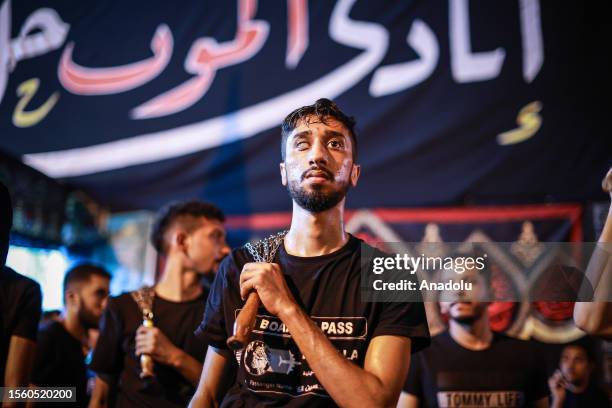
261,251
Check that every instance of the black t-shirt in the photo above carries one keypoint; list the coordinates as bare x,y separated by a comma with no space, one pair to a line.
593,397
509,373
271,370
115,351
60,361
20,309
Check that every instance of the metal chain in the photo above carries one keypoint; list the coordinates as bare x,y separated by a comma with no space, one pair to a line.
265,250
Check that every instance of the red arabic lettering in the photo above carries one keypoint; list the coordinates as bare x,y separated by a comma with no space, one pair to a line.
111,80
205,57
297,32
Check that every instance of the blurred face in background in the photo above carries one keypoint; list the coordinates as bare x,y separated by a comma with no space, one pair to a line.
204,247
575,365
88,300
465,306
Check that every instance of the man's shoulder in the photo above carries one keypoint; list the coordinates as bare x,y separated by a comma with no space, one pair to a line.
369,250
231,265
51,328
50,334
122,302
440,341
239,256
16,281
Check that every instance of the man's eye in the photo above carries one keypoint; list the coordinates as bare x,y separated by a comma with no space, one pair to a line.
336,144
302,145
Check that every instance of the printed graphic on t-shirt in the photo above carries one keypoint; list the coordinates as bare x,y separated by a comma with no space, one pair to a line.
480,399
272,362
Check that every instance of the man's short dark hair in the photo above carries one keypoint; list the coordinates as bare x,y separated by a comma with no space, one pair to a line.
187,212
323,109
587,345
82,272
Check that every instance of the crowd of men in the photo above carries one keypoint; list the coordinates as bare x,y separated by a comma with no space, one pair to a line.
167,346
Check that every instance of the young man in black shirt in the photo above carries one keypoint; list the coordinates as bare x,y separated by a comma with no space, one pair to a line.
572,386
315,342
191,238
62,346
469,365
20,308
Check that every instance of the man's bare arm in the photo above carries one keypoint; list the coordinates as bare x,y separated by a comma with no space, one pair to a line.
596,317
19,363
100,394
216,378
187,366
378,384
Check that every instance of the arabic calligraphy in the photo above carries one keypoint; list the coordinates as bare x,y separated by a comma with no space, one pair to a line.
207,56
26,91
42,32
105,81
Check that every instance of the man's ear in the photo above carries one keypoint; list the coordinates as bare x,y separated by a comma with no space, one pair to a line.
70,297
180,240
355,172
283,173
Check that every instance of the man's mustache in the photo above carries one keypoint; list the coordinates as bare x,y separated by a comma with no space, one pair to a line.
319,169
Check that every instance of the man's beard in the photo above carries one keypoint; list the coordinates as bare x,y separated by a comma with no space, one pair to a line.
478,311
87,319
465,320
316,200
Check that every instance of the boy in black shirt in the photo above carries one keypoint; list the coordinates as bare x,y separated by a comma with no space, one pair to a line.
62,346
469,365
315,343
191,238
571,386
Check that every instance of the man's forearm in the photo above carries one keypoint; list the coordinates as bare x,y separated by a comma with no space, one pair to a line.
215,380
348,384
594,317
187,366
100,394
20,359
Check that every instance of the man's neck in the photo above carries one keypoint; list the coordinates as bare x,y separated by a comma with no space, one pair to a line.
74,327
316,234
177,284
476,336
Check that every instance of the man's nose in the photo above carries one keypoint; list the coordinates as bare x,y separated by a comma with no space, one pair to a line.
318,153
225,250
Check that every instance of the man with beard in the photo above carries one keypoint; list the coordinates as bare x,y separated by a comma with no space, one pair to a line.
315,342
191,239
469,365
63,345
